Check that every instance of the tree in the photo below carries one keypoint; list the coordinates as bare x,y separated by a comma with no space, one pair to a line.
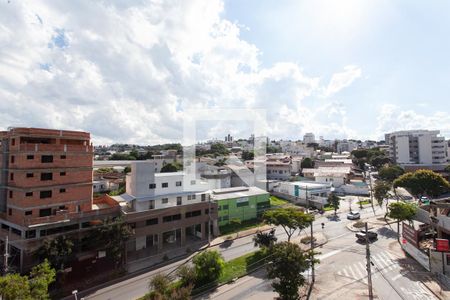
187,275
219,149
307,163
265,239
14,286
390,173
290,219
169,168
127,170
447,169
423,182
208,266
381,191
160,286
248,155
333,201
58,251
288,264
41,276
402,211
112,237
379,161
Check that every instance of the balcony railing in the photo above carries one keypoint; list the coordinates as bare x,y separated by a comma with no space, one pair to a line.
55,148
63,215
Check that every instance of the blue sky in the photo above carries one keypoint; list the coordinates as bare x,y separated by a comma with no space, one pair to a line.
131,71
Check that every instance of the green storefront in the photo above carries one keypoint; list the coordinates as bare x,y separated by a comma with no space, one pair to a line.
242,207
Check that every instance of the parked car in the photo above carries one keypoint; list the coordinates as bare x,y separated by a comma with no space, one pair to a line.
353,215
361,236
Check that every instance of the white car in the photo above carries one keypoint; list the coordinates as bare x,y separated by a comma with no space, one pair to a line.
353,215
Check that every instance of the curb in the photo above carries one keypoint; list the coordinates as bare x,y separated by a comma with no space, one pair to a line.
369,224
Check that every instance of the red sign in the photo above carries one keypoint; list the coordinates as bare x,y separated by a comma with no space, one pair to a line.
410,234
442,245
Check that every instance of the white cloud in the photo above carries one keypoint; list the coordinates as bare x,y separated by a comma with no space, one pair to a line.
126,71
342,80
393,118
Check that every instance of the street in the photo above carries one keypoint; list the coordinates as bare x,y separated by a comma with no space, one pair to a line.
341,272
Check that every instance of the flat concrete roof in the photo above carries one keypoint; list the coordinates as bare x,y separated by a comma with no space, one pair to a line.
238,192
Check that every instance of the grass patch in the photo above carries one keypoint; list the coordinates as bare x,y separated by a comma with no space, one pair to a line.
233,228
359,224
275,201
242,265
328,207
363,202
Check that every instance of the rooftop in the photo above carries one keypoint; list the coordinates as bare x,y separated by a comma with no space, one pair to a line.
237,192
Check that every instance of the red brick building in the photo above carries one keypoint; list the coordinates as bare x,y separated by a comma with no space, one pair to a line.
46,187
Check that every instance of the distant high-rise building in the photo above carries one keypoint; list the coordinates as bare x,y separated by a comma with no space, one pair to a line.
228,138
309,138
423,147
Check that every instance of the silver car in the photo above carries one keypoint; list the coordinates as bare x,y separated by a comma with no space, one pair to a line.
353,215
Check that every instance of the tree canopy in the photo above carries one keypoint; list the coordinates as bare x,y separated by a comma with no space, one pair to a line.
208,266
423,182
390,173
248,155
59,251
333,201
290,219
289,263
307,163
402,211
381,191
169,168
265,239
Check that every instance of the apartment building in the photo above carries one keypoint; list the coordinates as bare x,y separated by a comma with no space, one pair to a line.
45,188
165,209
420,147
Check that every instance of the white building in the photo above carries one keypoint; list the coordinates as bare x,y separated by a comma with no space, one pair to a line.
346,146
417,147
305,192
309,138
146,189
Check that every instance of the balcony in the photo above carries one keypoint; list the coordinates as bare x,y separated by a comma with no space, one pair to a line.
55,148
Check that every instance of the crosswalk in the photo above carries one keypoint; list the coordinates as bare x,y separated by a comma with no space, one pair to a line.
384,261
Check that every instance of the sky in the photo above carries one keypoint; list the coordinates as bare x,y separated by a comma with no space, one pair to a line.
136,71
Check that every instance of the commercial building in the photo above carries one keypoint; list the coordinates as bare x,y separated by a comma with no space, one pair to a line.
420,147
165,210
309,138
243,203
308,193
45,188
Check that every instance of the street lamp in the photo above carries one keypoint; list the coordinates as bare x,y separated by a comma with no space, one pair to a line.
74,293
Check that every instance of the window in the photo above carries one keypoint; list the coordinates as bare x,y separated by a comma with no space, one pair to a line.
28,213
192,214
153,221
45,194
11,176
193,197
10,194
13,142
151,204
179,200
165,200
178,183
62,190
29,157
167,219
9,211
47,158
63,157
62,173
152,186
62,207
29,175
12,159
225,206
46,176
203,197
192,182
189,197
30,234
165,184
28,194
241,204
45,212
225,218
206,211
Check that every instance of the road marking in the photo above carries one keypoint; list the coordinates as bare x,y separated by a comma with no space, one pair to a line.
345,272
339,236
334,252
358,270
353,273
392,265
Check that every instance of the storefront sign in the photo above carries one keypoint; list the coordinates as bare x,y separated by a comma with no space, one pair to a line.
243,199
442,245
410,234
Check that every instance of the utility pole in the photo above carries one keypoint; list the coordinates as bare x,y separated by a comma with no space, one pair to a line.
6,256
369,272
312,254
209,220
371,192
